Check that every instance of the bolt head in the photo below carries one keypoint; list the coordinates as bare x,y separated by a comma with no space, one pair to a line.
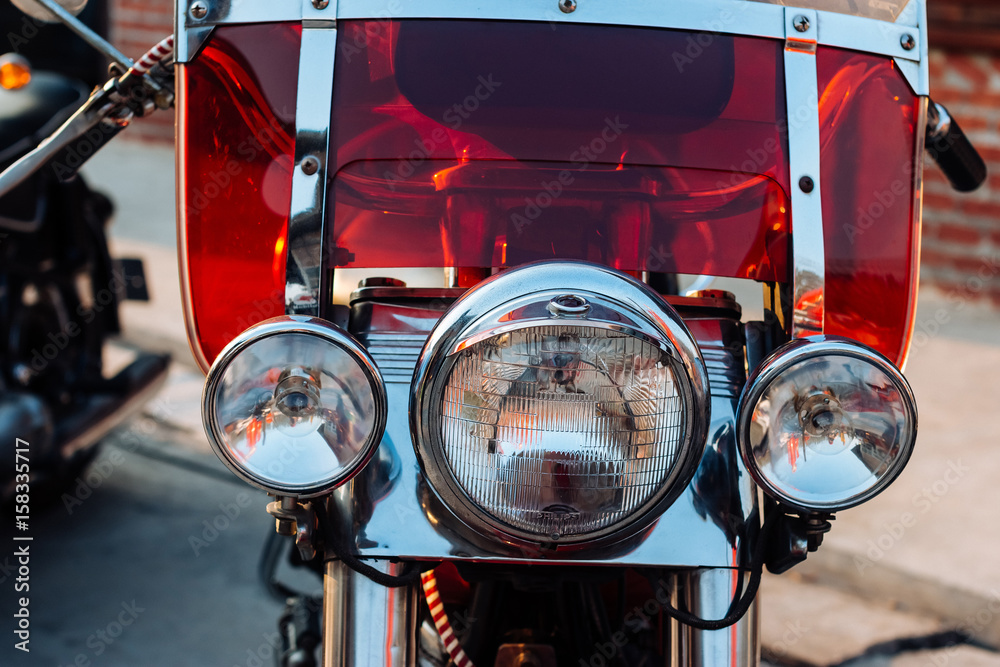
310,166
801,23
198,9
321,4
567,6
908,42
806,184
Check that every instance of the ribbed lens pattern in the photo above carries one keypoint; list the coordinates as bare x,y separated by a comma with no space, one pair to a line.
561,430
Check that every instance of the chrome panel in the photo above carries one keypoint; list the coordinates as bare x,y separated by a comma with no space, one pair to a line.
738,17
708,594
522,298
392,513
366,624
306,221
802,97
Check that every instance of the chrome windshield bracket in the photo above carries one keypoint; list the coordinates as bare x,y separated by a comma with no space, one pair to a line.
802,96
873,27
313,110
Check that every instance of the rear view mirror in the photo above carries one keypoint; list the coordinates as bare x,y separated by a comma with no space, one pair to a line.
38,10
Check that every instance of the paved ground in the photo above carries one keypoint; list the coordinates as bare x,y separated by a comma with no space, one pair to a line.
155,564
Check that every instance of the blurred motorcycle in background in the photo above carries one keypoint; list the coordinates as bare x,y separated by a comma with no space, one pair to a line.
59,287
506,416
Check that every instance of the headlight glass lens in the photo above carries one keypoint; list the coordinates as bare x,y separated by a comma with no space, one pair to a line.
295,412
562,430
830,431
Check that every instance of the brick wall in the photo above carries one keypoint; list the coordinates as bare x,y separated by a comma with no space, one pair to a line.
135,26
961,244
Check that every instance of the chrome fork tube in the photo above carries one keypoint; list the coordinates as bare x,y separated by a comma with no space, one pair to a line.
366,624
708,594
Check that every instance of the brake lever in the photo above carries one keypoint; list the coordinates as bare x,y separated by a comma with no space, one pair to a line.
105,113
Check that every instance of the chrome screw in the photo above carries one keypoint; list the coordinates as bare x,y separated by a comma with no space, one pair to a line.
908,42
801,23
567,6
198,9
321,4
310,166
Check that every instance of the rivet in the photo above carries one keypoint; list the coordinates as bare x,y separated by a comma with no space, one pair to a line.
198,9
908,42
567,6
806,184
321,4
310,166
801,23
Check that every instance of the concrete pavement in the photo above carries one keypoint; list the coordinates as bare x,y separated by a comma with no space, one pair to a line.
919,559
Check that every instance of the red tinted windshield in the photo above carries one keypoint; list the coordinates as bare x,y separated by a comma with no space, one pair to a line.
454,149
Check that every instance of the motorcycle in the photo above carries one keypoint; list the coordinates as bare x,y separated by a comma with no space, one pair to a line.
59,297
518,441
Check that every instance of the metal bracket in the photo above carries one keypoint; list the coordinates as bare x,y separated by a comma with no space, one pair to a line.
802,96
313,110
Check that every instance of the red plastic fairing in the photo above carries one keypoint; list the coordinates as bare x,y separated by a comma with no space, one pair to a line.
236,147
871,199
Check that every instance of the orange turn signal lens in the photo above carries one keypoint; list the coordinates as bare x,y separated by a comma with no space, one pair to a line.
15,71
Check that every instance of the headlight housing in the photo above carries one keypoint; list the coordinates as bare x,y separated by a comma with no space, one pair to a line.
826,423
559,403
294,406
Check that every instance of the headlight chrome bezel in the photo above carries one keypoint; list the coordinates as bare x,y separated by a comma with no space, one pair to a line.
521,299
783,360
284,326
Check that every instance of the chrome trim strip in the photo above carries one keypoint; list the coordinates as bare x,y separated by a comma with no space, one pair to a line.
802,97
738,17
306,219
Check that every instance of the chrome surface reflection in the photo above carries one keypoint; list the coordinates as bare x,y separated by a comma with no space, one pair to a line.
392,513
827,424
294,406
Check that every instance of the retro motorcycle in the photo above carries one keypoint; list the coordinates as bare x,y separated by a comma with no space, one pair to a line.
490,417
59,291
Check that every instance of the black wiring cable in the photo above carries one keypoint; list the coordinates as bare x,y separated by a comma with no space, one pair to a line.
741,603
341,549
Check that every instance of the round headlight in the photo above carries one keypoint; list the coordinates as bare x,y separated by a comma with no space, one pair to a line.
826,424
294,406
559,415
